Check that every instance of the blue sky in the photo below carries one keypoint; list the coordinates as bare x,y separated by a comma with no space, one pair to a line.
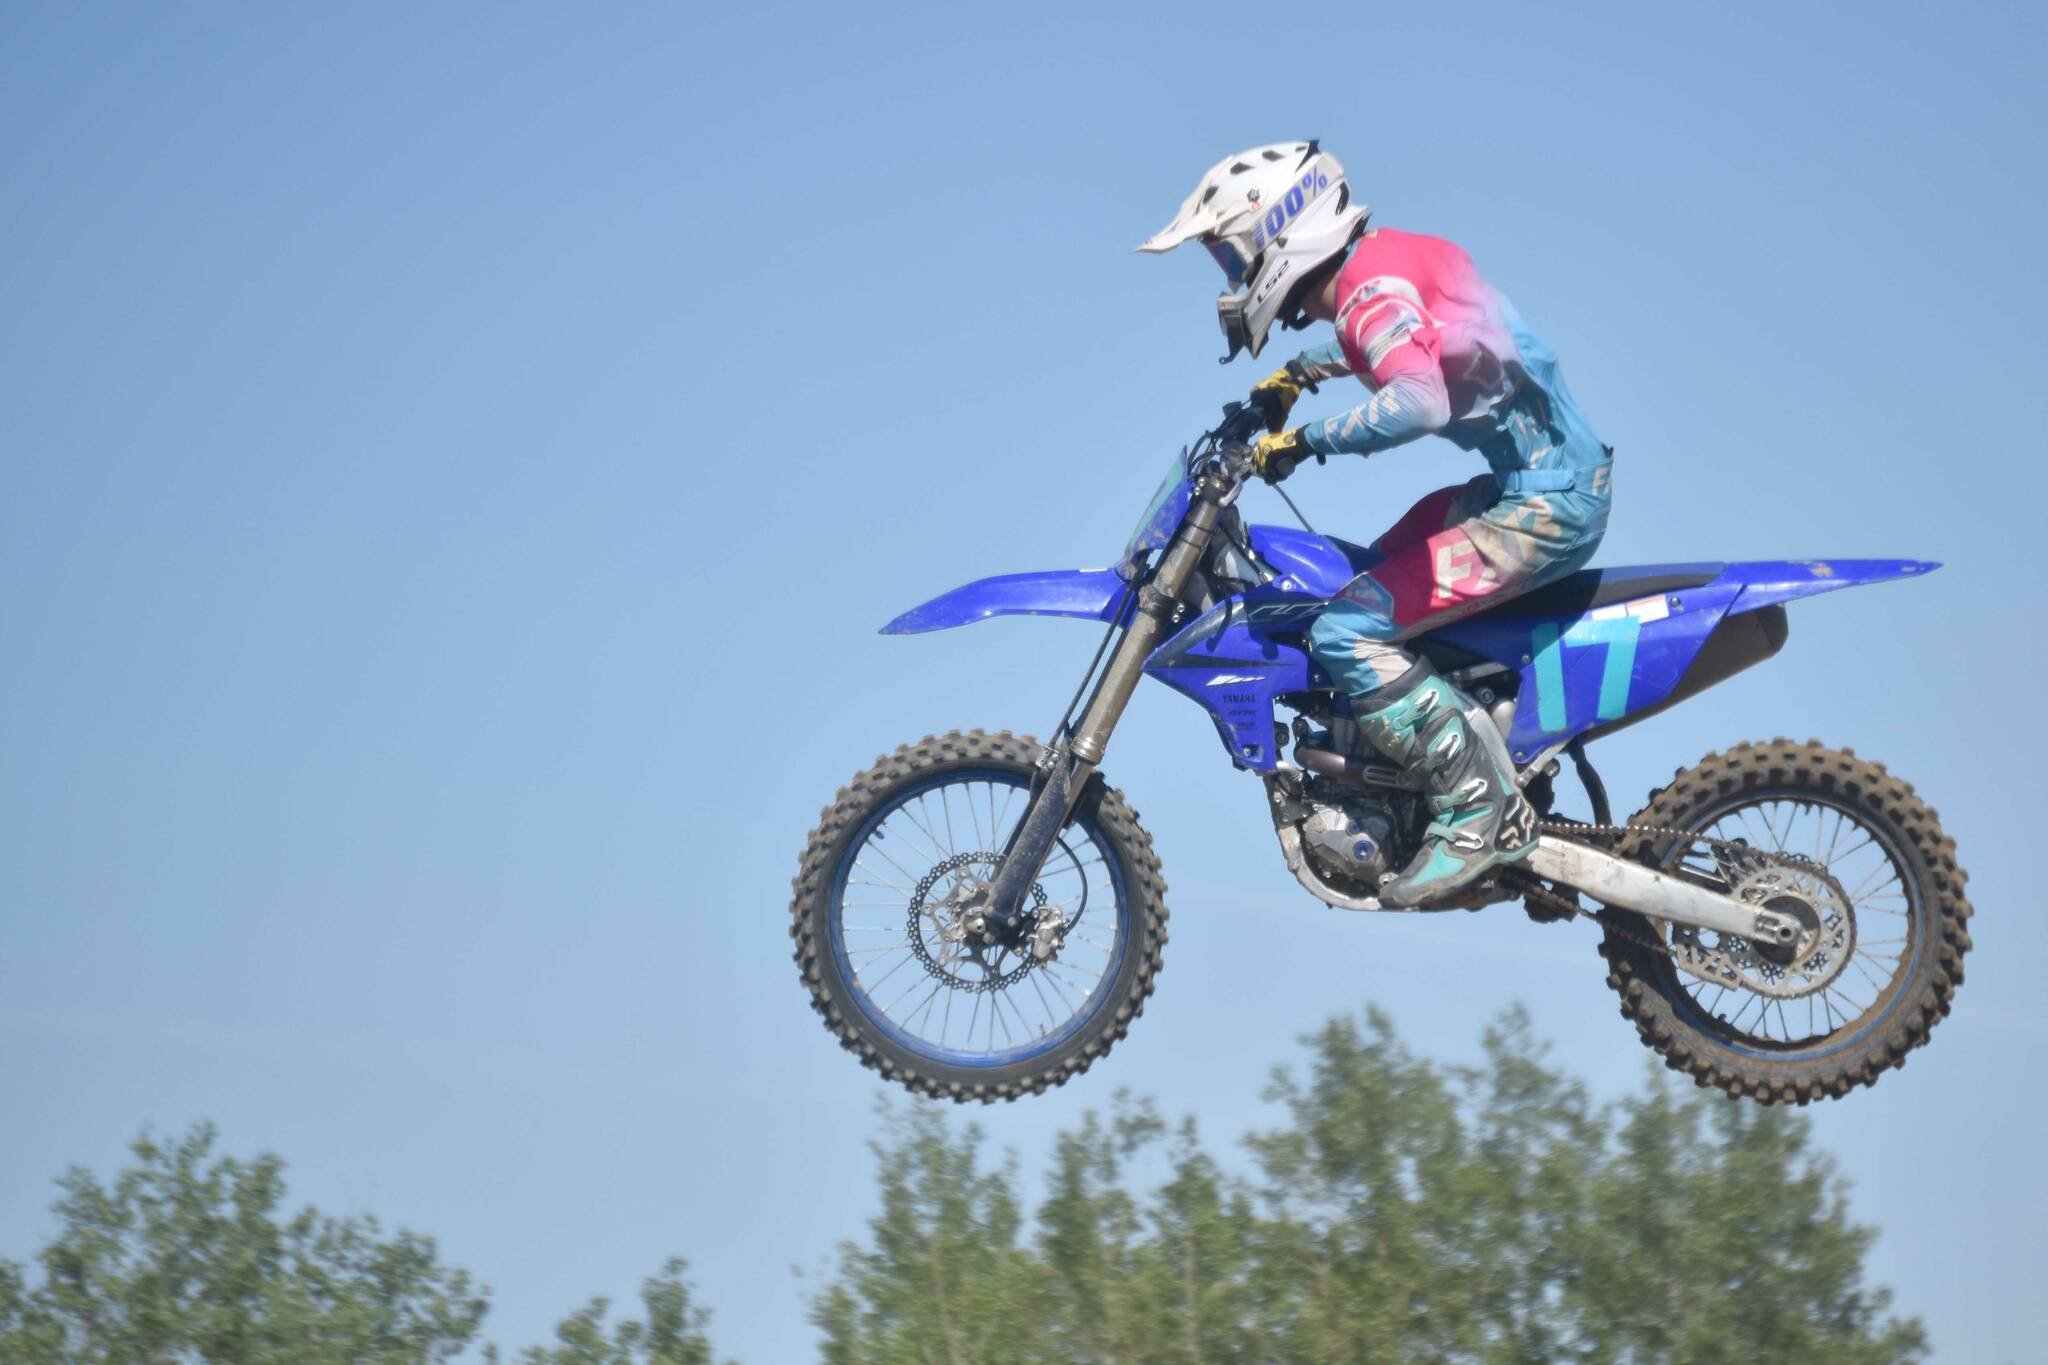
453,463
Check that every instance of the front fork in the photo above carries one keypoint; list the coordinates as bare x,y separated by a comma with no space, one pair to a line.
1068,767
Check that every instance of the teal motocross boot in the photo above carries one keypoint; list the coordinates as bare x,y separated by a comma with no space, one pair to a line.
1427,726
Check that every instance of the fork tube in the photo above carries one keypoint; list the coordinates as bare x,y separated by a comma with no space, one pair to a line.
1156,602
1076,763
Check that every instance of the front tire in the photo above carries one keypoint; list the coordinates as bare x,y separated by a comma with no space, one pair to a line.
1906,946
845,976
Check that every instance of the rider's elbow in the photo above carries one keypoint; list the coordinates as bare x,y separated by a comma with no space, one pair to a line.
1434,409
1417,404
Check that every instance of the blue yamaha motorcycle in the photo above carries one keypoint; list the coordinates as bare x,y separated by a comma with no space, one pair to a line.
980,916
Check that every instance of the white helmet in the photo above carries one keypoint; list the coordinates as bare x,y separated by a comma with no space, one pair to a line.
1269,216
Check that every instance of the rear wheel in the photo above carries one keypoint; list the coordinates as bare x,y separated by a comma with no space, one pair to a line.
913,980
1851,852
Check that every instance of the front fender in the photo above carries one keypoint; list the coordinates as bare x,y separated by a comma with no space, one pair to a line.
1090,594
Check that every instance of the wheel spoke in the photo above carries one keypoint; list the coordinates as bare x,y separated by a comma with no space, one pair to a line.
883,854
1044,1004
1052,979
1851,1007
1827,1003
1004,823
931,849
974,818
871,987
1863,886
884,880
931,997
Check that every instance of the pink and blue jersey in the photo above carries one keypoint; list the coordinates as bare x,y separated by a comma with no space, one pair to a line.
1444,351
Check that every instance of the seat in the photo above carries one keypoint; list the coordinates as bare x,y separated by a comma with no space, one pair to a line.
1578,593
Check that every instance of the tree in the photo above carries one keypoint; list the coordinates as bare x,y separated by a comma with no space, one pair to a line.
186,1257
672,1334
1398,1209
1403,1210
945,1281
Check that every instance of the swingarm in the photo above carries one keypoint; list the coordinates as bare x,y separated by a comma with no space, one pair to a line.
1632,886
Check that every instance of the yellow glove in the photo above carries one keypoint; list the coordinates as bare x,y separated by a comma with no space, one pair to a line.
1275,457
1274,397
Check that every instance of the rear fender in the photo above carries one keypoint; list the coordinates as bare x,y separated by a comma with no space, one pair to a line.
1595,672
1087,594
1766,582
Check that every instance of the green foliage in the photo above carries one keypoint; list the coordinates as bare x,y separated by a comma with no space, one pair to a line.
939,1283
1402,1211
185,1258
1399,1210
672,1333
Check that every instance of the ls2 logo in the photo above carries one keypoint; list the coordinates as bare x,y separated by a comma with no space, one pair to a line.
1277,218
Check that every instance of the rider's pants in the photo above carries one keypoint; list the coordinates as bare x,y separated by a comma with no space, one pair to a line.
1459,551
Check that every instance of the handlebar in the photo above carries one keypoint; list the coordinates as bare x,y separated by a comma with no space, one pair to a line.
1228,452
1241,422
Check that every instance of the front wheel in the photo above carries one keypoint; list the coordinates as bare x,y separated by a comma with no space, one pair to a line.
1855,855
912,980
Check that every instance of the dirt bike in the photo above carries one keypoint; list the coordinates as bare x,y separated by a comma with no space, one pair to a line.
980,916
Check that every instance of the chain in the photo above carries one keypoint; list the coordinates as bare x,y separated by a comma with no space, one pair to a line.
1563,907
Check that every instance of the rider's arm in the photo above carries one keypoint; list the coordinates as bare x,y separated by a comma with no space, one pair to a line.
1409,398
1323,362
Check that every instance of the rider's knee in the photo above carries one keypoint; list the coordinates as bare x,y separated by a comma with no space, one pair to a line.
1334,635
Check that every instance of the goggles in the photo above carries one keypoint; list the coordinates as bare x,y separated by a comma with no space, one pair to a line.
1231,309
1226,254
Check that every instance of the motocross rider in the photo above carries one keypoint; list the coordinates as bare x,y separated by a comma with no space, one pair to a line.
1442,352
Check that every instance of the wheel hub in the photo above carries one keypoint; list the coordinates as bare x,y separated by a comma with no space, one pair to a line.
1789,954
956,932
1798,888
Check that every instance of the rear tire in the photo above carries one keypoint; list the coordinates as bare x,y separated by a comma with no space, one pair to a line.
863,1029
1659,1000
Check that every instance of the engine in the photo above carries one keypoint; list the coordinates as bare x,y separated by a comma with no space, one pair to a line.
1350,838
1346,817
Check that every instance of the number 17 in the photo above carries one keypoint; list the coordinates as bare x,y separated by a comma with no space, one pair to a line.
1618,632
